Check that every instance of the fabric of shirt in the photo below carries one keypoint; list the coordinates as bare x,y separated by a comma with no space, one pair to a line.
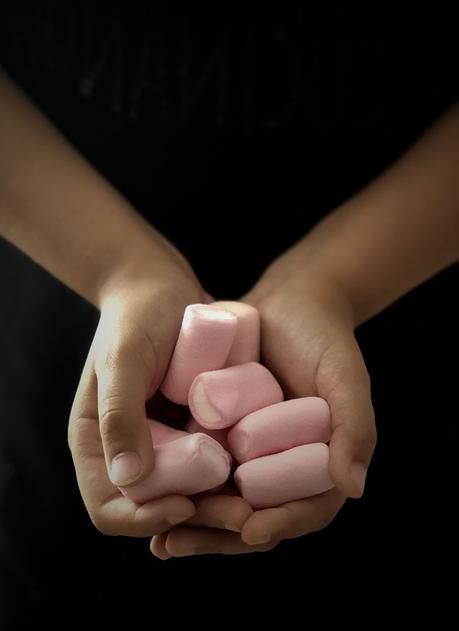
230,129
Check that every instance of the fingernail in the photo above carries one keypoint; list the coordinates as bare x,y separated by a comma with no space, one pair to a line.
125,468
173,520
358,475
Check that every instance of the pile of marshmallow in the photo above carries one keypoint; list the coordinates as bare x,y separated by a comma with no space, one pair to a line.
276,450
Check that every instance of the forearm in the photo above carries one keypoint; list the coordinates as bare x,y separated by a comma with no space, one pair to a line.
397,232
57,209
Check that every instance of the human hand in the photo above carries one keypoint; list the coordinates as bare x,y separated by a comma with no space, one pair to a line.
141,312
308,343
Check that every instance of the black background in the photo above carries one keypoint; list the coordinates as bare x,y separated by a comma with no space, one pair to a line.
233,177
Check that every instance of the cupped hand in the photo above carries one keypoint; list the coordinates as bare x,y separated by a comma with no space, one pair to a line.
308,343
108,433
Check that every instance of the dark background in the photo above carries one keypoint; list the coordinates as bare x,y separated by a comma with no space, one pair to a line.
233,132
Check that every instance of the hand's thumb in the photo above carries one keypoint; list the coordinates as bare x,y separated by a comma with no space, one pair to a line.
124,377
353,436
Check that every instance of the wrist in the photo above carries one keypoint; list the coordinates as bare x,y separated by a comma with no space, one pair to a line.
299,273
150,269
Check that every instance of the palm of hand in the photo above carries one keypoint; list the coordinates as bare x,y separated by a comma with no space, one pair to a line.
311,350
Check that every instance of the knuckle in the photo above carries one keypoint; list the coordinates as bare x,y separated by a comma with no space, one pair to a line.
73,422
76,438
103,524
111,418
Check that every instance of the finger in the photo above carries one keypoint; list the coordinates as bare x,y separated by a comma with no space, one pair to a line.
220,511
109,511
120,516
158,546
84,406
183,541
293,519
353,437
124,369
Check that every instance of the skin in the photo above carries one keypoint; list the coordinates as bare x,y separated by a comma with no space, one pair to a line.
323,359
400,230
397,232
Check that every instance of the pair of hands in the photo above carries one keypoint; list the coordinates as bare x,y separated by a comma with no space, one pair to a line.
307,342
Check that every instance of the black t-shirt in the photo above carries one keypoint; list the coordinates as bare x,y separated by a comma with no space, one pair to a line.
233,131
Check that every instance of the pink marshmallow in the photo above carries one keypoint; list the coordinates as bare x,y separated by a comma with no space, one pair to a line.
220,435
279,427
220,398
161,433
203,344
246,344
214,368
190,464
245,348
291,475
